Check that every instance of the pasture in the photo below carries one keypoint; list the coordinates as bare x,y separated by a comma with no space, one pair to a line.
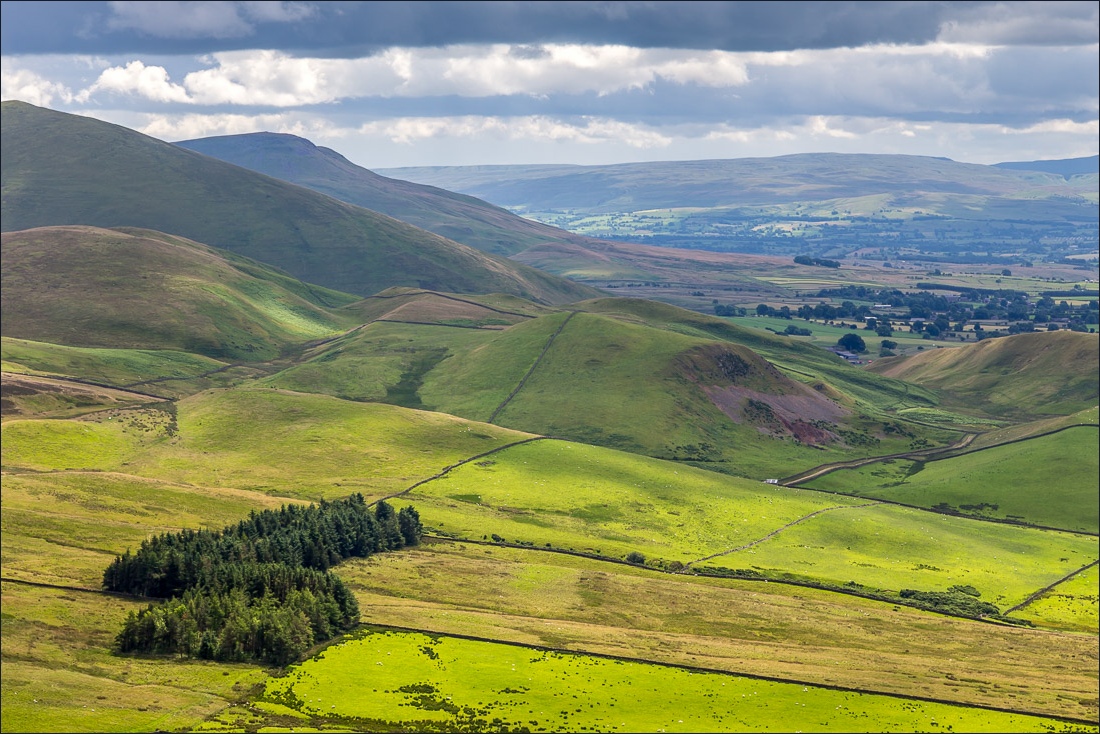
382,678
535,597
594,500
1014,481
271,441
1072,605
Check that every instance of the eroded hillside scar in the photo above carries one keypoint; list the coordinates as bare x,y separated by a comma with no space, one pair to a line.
535,365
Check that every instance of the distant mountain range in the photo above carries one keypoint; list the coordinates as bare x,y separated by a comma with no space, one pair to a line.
733,182
61,169
1066,167
828,204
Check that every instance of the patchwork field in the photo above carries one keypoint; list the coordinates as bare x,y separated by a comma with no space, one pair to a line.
562,548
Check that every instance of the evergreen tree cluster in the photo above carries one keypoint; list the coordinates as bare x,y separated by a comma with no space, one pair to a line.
260,589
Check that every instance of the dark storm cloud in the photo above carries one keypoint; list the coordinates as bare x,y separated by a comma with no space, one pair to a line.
356,28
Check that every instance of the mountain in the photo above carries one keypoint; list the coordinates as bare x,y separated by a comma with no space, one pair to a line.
725,183
145,289
1021,376
1066,167
61,169
459,217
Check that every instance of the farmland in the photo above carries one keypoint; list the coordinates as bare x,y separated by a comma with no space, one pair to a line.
383,678
628,515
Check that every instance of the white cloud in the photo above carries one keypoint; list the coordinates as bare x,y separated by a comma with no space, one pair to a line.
149,82
1090,127
530,128
277,79
27,86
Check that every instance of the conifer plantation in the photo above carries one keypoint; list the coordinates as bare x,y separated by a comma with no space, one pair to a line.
260,589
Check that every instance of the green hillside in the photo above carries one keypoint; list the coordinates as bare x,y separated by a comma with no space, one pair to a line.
635,375
1020,376
458,217
1047,480
144,289
61,169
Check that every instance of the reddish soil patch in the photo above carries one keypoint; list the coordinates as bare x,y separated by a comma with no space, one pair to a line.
789,414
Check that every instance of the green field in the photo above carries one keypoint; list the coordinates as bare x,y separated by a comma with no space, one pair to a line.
270,441
578,497
162,372
826,335
1012,481
1071,605
383,679
533,597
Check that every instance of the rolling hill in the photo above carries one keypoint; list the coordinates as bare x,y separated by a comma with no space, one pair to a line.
145,289
170,386
61,169
1021,376
636,375
458,217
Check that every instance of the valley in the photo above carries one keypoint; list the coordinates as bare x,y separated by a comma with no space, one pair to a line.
639,512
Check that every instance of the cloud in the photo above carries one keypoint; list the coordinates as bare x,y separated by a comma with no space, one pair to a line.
149,82
211,19
353,29
1023,23
27,86
535,129
274,78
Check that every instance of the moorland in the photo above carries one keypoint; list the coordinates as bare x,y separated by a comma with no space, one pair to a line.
635,514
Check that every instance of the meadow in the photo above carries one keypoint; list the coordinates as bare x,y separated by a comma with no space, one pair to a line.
383,678
576,497
534,597
265,440
1009,481
1072,605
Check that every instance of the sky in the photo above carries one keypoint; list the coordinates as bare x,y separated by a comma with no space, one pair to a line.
394,84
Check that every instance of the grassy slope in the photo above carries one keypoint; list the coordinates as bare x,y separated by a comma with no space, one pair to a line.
265,440
611,503
1049,480
531,597
669,367
458,217
1021,376
61,169
153,291
47,397
160,372
1072,605
236,441
416,676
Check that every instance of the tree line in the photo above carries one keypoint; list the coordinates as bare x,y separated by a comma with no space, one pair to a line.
260,589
